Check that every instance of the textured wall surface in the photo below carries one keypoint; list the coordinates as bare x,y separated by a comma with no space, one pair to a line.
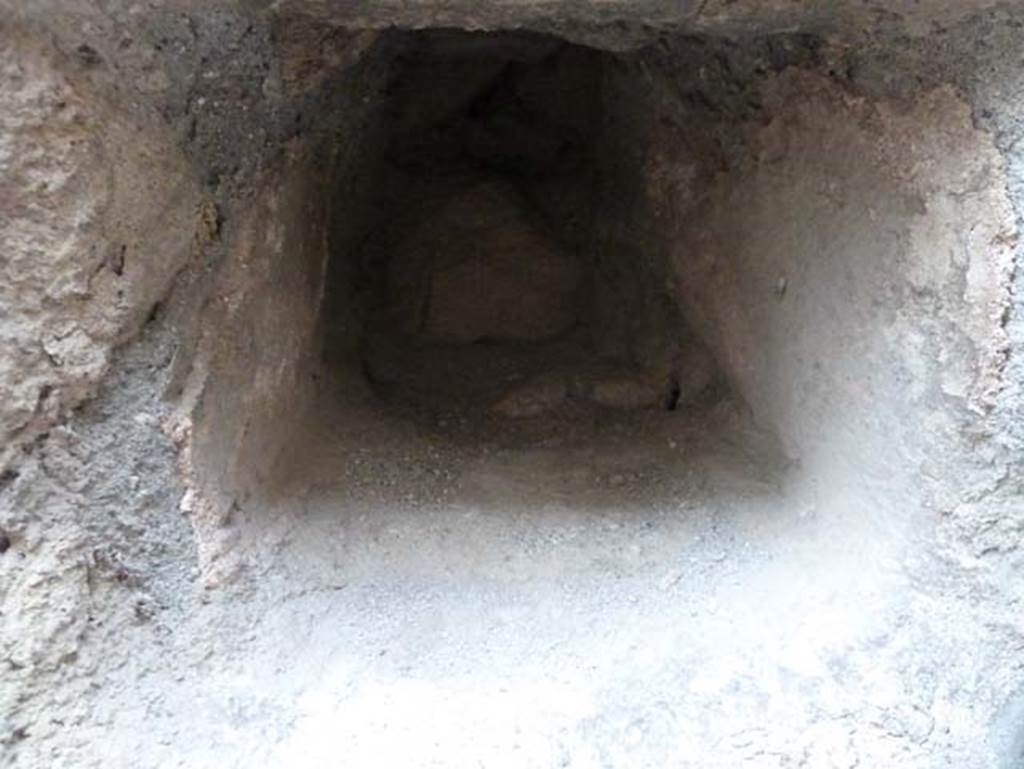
98,212
830,195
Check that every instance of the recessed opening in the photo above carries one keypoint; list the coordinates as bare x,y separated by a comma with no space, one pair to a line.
484,293
528,322
466,299
505,241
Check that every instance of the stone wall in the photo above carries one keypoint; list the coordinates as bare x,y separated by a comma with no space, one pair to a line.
833,212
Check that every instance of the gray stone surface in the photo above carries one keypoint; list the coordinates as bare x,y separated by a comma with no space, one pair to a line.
208,566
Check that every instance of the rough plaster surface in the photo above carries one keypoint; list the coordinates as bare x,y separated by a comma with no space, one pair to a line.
909,204
256,357
88,249
837,219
